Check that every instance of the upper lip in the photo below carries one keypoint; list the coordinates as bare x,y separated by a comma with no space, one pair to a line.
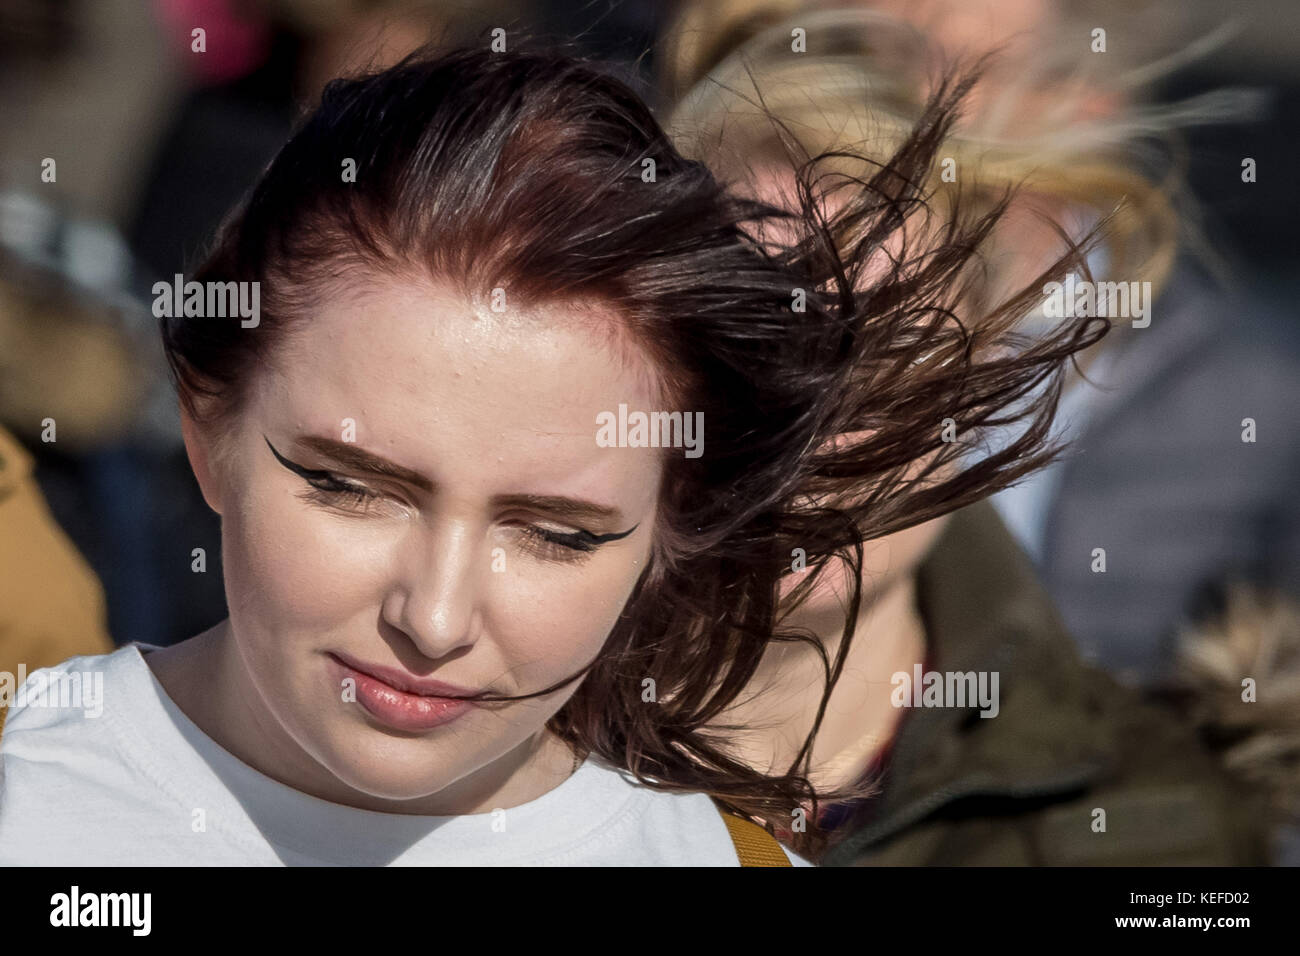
404,680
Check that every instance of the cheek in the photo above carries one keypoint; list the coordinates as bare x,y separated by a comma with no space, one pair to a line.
554,619
296,566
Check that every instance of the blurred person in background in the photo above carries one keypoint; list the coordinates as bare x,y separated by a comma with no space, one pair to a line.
1171,486
81,85
51,603
68,375
958,597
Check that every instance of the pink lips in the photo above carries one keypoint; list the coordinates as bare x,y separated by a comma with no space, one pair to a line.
401,700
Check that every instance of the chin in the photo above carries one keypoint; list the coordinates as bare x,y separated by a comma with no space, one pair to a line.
383,783
385,775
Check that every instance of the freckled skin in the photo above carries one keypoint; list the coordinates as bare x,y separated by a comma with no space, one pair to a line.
483,404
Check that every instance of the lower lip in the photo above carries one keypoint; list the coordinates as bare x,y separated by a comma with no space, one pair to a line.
398,709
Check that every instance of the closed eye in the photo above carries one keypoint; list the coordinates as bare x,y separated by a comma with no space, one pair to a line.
328,488
332,490
566,545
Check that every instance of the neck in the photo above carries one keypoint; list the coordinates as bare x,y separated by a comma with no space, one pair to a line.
859,719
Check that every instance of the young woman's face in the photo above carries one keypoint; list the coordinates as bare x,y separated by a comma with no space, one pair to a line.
443,531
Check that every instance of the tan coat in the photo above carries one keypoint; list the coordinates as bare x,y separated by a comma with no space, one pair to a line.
51,604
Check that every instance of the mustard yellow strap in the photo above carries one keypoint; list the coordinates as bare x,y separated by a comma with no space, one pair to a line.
4,712
754,845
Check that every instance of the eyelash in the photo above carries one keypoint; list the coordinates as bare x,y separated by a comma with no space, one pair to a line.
332,491
556,546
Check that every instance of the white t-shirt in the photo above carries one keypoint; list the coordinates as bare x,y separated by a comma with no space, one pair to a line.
139,784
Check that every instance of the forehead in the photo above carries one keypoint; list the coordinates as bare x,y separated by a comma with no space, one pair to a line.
436,380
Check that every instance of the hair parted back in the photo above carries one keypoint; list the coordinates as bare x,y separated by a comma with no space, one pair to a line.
524,171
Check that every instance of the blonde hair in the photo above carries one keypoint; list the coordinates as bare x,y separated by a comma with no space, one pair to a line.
729,69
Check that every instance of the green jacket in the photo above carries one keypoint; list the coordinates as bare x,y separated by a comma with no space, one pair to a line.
1021,788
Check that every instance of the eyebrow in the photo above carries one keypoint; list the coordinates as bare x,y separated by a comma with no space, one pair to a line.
349,455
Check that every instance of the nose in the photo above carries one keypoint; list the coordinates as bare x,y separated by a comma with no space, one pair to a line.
435,597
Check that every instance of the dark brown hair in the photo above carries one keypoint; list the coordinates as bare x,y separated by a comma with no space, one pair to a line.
524,171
